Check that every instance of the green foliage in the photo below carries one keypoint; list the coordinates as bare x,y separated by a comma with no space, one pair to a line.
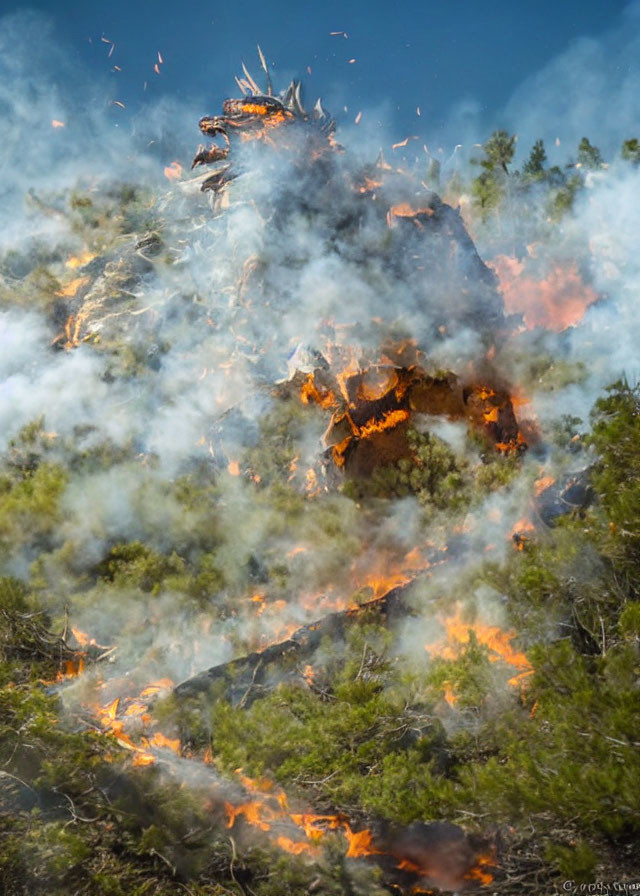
499,150
589,156
487,192
615,524
562,198
335,741
136,565
489,188
630,151
431,473
30,507
534,166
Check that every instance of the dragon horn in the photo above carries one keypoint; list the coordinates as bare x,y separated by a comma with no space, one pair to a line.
252,83
318,110
242,84
297,98
263,63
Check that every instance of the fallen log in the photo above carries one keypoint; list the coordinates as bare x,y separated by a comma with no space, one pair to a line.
244,679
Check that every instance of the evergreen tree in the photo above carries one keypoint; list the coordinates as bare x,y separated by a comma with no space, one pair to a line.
589,156
630,151
534,166
489,188
499,150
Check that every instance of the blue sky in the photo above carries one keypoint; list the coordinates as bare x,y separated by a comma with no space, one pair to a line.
460,61
430,54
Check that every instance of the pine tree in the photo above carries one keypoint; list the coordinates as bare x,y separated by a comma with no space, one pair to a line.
499,150
630,151
534,166
589,156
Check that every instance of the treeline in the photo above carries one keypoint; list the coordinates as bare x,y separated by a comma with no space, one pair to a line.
497,182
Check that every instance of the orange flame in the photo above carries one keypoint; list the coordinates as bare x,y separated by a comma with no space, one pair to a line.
79,261
542,484
556,302
498,641
479,872
518,530
389,420
251,812
310,392
449,694
162,684
71,288
173,171
491,416
360,843
295,847
159,740
405,210
309,674
71,668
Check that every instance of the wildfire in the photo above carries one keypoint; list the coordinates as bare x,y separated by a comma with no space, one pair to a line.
79,261
388,574
450,695
296,847
83,638
311,393
518,530
70,337
309,674
253,812
70,289
497,640
479,871
71,668
405,210
113,717
491,416
360,843
270,814
370,401
542,484
555,302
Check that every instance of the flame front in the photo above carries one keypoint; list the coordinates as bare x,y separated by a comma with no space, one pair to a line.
498,641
